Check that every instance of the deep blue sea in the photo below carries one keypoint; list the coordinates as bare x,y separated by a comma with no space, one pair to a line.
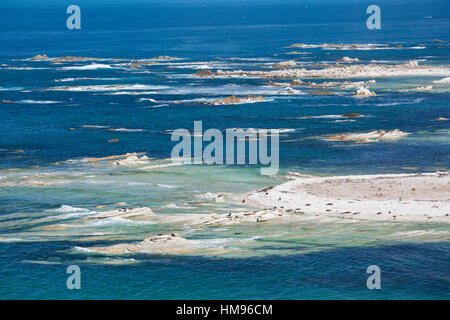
56,114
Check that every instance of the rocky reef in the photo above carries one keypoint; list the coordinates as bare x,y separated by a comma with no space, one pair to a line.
364,92
348,60
236,100
373,136
285,64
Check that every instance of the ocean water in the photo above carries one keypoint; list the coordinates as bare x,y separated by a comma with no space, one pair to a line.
54,116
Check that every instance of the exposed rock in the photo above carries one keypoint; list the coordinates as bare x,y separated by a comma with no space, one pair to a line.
204,73
51,227
240,217
287,91
364,92
236,100
302,45
351,115
373,136
116,157
297,52
140,63
72,58
159,244
285,64
39,57
412,63
132,160
425,88
348,60
342,71
445,81
321,92
373,197
297,82
165,58
278,84
123,213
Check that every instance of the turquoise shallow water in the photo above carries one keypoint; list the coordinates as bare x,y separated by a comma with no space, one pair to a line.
49,182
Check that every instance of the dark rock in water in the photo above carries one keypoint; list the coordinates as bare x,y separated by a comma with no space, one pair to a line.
39,57
285,64
352,115
140,63
321,92
204,73
165,58
73,59
236,100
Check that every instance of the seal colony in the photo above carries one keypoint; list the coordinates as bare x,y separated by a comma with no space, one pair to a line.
399,197
422,197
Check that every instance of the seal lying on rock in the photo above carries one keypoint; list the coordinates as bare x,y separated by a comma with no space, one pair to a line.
123,213
240,217
159,244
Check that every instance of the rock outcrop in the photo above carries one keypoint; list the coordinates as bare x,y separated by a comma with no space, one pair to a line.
204,73
236,100
125,213
325,92
351,115
348,60
373,136
39,57
364,92
285,64
159,244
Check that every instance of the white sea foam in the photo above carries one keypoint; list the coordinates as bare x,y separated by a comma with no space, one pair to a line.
170,206
444,81
166,186
93,66
41,262
157,106
147,99
227,90
118,221
387,104
68,209
11,88
114,87
81,249
126,130
416,233
80,79
418,89
25,68
3,239
89,126
325,116
37,102
131,93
